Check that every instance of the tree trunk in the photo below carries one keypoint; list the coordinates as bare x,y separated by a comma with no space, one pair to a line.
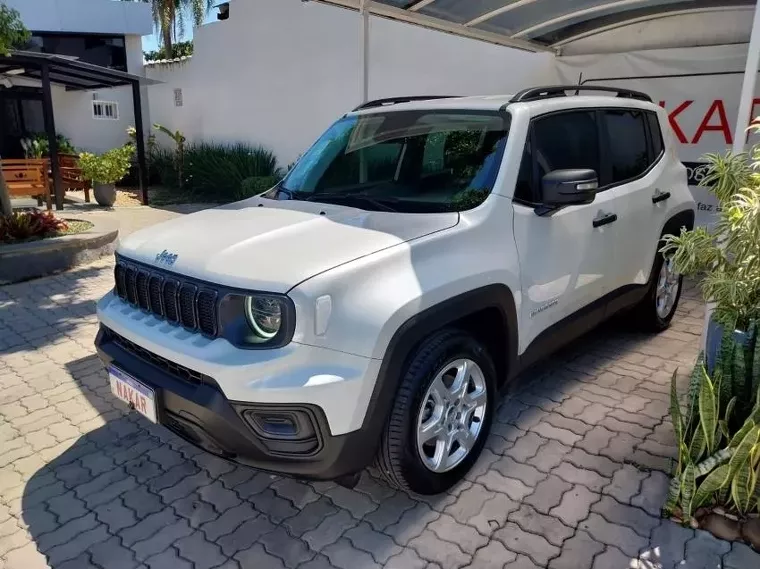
5,198
167,33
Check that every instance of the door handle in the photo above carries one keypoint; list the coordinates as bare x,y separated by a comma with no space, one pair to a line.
604,219
659,196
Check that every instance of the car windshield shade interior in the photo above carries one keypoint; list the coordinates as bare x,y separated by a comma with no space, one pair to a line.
411,160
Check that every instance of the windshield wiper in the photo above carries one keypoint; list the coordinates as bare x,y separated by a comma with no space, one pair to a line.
379,203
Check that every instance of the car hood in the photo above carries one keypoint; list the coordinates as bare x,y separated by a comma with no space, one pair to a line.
268,245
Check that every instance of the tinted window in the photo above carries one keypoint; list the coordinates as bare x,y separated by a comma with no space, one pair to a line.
655,134
106,51
566,141
627,144
413,161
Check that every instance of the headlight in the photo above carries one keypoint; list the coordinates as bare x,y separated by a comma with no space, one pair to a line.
264,315
258,320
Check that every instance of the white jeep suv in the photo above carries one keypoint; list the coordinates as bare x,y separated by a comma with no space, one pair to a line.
373,304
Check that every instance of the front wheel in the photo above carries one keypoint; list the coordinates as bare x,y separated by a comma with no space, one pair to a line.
441,416
658,307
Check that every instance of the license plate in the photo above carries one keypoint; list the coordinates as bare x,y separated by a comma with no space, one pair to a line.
137,395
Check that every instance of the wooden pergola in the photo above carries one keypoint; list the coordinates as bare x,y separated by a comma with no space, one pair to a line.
76,75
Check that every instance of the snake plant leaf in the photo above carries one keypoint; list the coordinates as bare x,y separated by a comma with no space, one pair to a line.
688,487
674,492
678,426
713,462
749,424
743,487
730,410
708,418
741,453
710,485
695,382
697,446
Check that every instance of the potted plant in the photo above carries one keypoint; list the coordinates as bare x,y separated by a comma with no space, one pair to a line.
105,170
726,259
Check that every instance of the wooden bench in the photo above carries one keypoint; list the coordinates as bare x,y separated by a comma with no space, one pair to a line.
71,175
28,177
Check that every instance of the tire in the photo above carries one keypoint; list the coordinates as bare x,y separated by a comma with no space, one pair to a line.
417,403
652,317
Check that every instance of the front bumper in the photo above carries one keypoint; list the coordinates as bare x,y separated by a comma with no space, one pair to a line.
192,406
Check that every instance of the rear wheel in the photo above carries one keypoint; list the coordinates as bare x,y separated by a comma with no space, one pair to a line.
441,416
658,307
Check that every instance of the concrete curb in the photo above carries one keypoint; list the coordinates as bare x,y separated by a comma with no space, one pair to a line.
26,261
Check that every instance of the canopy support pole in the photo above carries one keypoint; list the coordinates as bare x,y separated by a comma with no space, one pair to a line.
748,85
48,116
364,51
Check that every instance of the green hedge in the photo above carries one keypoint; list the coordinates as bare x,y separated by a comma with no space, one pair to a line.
257,185
214,172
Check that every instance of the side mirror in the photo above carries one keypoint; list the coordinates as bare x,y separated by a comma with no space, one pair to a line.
569,187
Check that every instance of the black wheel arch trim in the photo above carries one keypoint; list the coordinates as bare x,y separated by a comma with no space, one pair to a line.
681,219
409,335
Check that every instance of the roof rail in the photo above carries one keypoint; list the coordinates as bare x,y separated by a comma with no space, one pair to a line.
396,100
536,93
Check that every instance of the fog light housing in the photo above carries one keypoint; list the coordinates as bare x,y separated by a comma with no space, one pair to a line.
284,431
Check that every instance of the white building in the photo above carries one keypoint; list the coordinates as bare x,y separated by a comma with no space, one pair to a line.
102,32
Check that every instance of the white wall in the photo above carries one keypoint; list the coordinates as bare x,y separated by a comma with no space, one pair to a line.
90,16
73,109
278,72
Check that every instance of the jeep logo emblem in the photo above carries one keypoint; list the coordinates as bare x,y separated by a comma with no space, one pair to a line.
166,258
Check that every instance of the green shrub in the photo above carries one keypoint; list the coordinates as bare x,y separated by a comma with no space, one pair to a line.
256,185
109,167
23,225
216,171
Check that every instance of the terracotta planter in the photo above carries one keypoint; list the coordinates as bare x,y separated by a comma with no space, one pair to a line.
105,194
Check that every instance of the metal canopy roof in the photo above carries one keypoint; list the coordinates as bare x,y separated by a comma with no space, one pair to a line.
533,25
73,74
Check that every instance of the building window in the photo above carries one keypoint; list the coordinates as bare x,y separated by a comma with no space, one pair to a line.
177,97
106,51
107,110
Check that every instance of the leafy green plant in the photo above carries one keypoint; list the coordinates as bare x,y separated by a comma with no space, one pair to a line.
108,168
22,225
37,145
179,140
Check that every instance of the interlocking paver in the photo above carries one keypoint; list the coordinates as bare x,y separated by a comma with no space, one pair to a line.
626,483
534,546
449,529
548,494
575,505
344,556
706,550
578,551
298,493
613,558
314,513
429,546
329,530
229,521
549,456
654,490
635,518
292,551
610,533
113,555
203,553
583,476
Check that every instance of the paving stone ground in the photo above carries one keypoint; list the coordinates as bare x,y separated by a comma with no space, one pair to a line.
573,475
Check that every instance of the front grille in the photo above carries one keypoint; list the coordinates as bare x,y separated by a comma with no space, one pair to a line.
174,369
168,297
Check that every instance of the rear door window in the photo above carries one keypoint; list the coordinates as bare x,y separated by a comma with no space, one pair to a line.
627,149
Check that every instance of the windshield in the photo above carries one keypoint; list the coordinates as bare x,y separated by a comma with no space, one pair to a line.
410,161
